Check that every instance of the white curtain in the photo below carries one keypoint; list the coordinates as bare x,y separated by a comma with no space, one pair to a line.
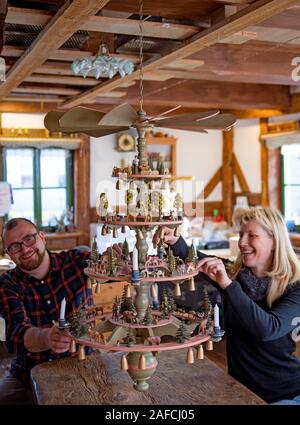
40,143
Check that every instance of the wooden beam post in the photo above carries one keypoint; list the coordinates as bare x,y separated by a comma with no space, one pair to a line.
274,178
82,190
264,164
227,175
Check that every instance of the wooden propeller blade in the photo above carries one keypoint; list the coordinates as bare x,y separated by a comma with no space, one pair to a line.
122,115
158,117
219,122
51,121
104,131
185,128
198,116
81,117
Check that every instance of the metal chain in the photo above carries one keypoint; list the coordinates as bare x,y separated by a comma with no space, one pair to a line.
141,99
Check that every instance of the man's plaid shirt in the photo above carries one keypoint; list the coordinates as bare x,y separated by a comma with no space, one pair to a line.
26,301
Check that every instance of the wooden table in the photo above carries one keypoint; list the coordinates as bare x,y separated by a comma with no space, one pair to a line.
99,380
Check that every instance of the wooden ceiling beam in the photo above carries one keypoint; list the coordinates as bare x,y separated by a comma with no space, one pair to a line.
256,75
107,24
251,15
234,1
209,94
58,30
34,107
3,14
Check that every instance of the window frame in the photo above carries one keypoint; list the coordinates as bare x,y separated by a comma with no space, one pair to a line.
283,184
37,189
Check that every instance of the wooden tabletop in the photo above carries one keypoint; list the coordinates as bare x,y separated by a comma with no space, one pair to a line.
99,380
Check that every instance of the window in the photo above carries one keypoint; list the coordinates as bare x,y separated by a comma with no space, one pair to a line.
291,182
42,183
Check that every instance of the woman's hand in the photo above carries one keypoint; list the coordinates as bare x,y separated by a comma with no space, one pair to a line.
166,234
214,268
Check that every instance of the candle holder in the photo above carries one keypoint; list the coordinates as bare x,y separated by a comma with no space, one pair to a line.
218,334
135,277
62,324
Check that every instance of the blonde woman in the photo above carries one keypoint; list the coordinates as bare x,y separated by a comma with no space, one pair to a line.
261,304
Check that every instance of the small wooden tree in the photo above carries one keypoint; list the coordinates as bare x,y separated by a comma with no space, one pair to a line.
182,334
116,308
165,305
112,261
125,249
148,318
192,254
161,252
178,202
94,255
171,261
150,163
172,303
130,338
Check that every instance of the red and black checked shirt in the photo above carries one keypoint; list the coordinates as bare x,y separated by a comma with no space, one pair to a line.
26,301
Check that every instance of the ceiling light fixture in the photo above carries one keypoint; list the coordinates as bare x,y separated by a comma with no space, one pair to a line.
102,66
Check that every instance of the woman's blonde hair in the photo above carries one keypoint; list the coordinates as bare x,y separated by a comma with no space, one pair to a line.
285,268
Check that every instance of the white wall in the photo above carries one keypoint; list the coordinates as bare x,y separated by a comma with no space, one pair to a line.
198,155
23,120
247,151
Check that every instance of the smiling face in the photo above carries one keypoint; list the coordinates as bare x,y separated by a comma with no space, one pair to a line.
257,248
29,257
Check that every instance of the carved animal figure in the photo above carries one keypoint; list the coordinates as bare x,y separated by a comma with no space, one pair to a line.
154,340
129,316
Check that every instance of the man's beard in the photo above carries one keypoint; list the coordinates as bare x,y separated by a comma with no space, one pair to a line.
32,263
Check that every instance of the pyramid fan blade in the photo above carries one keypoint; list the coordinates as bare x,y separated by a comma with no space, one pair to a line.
219,122
122,115
104,131
51,121
162,115
81,117
186,128
198,116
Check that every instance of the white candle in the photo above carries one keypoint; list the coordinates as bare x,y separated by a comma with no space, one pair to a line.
216,316
154,294
135,260
62,309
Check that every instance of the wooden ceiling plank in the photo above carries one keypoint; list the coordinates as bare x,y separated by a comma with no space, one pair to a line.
67,55
74,81
47,99
106,24
58,30
252,15
260,76
131,27
46,90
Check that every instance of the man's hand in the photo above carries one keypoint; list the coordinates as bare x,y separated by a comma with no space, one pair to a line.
59,342
42,339
166,234
214,268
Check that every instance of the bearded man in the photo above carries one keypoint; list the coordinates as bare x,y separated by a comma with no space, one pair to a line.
30,300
